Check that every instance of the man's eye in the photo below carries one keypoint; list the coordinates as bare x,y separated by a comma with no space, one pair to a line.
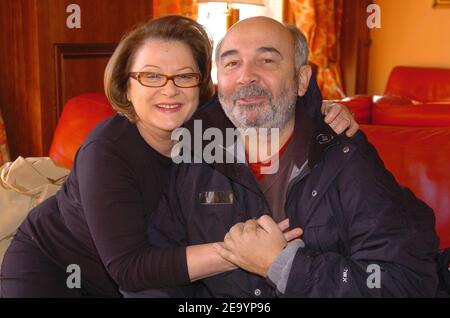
268,61
231,64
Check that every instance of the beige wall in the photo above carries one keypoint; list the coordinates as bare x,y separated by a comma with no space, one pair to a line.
412,33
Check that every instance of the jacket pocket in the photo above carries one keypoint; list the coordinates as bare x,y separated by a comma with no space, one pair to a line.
216,197
322,238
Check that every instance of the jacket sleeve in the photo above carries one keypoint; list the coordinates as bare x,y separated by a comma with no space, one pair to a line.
167,225
113,206
389,235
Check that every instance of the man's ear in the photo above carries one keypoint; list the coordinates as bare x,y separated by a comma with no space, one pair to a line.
304,75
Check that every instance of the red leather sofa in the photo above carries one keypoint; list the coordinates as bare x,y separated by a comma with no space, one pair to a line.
417,156
414,96
410,127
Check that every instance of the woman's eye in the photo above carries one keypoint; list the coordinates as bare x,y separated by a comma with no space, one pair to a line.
185,76
153,76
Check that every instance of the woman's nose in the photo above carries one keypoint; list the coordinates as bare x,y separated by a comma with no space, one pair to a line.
170,89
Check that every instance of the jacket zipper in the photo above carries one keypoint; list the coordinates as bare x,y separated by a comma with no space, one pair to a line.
303,172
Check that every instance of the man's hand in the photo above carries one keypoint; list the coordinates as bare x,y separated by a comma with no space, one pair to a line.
339,118
255,244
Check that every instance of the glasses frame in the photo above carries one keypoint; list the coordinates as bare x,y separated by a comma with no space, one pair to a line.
137,77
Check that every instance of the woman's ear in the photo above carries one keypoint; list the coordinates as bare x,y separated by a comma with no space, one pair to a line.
127,93
304,75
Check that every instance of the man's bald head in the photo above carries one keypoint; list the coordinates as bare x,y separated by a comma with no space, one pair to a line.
272,26
256,21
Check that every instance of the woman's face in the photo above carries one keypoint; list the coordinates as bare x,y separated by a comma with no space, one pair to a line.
162,109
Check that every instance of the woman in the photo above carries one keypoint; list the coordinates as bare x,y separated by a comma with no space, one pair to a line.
92,234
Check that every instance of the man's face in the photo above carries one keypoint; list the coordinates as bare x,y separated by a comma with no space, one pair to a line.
257,83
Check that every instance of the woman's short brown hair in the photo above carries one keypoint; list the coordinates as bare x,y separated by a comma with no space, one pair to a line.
174,27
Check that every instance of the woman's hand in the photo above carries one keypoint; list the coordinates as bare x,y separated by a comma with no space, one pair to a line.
291,234
339,117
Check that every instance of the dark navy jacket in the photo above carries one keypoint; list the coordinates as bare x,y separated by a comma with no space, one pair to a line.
352,211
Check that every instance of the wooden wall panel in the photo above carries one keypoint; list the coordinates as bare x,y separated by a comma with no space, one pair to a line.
35,42
79,69
20,76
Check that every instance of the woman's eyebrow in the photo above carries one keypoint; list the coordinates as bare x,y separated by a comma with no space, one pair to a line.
185,68
180,69
149,65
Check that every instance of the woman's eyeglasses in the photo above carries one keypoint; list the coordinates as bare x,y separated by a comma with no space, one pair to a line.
151,79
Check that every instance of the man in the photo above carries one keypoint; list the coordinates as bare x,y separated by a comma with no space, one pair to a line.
363,235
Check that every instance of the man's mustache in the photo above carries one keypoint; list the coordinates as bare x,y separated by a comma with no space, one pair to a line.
251,91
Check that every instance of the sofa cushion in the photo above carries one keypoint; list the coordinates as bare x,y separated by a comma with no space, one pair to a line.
419,83
388,100
79,117
425,115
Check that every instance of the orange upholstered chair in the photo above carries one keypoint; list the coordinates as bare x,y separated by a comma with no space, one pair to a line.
79,117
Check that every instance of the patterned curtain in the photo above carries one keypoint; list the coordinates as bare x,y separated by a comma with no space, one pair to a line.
320,21
4,152
187,8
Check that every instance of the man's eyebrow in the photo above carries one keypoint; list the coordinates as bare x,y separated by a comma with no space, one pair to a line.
227,53
265,49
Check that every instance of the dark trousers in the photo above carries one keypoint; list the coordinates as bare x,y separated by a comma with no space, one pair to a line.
28,273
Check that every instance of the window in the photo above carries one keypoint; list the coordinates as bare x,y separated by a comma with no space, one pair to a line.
213,15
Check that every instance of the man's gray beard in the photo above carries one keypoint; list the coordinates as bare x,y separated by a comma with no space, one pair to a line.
278,114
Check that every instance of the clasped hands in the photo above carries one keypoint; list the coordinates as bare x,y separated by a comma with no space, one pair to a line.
255,244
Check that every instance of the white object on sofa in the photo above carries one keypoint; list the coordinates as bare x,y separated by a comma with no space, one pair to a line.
24,184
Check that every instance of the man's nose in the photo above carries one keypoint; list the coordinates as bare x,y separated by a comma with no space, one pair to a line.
170,89
248,74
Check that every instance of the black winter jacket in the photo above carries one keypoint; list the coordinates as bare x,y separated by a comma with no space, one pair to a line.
354,214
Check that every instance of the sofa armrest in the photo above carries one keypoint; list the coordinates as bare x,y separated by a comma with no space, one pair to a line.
360,106
418,159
